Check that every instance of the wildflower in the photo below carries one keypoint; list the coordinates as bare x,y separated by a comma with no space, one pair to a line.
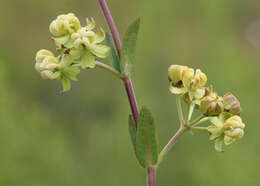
64,24
226,129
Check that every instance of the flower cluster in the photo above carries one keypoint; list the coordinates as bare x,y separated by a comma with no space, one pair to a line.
77,47
223,112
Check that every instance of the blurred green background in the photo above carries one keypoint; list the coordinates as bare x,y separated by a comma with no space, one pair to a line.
81,138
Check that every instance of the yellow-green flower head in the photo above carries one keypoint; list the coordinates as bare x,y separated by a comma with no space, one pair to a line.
47,65
176,78
88,39
175,74
194,81
226,130
211,105
183,81
64,24
231,104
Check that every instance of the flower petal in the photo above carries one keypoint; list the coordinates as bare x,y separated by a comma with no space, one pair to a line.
101,51
176,90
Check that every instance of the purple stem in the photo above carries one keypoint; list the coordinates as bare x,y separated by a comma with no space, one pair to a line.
131,97
127,81
151,175
111,25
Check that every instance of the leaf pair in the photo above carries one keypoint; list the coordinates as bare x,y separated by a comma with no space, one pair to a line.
144,138
125,64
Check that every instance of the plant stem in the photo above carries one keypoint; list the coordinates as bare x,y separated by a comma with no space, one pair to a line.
189,112
199,120
170,144
179,109
151,176
131,97
111,25
109,68
127,80
199,128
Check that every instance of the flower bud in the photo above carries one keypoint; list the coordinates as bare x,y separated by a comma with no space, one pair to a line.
64,24
42,54
236,133
234,122
212,105
175,74
47,74
231,104
75,36
233,129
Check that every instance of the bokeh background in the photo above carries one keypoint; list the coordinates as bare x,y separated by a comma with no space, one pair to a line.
81,138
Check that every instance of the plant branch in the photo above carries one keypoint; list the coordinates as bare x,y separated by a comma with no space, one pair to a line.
199,120
127,80
170,144
179,109
199,128
189,112
109,68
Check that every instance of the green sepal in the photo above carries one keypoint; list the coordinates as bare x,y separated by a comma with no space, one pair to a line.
65,41
65,84
90,24
99,50
219,143
132,130
66,60
113,52
146,143
71,72
76,53
100,36
129,48
87,60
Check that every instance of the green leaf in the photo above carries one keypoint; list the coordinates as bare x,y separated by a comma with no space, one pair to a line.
113,52
132,130
146,143
65,84
129,47
88,60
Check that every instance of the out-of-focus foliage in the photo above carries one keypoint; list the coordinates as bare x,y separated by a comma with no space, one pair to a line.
81,138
